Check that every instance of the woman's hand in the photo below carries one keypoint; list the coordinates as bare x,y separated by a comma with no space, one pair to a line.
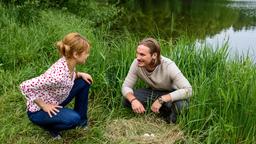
51,109
137,107
85,77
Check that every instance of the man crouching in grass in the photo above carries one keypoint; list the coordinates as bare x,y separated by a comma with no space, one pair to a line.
169,90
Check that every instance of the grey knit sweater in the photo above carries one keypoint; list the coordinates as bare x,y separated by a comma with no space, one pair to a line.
166,76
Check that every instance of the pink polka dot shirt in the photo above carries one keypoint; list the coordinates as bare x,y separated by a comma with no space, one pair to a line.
52,87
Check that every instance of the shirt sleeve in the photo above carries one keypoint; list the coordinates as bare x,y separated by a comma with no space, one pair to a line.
130,79
51,79
184,89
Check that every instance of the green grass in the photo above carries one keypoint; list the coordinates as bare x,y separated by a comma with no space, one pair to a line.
222,109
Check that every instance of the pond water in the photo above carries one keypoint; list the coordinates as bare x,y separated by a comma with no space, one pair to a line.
206,22
242,41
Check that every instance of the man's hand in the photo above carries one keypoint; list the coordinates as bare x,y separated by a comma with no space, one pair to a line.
137,107
156,106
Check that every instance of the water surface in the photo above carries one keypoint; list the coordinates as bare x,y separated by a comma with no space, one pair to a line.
212,22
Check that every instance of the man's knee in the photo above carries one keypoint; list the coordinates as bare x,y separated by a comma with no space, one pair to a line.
180,106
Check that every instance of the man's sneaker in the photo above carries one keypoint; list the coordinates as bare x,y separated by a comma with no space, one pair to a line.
172,118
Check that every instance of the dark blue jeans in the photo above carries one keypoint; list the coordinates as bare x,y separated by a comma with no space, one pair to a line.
66,118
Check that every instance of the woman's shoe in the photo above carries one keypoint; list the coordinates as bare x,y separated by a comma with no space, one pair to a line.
55,134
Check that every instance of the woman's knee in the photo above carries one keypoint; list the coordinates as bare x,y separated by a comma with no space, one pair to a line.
82,83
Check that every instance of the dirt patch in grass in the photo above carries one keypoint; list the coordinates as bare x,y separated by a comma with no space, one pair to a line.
143,130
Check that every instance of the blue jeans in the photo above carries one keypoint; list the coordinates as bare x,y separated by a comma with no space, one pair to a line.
66,118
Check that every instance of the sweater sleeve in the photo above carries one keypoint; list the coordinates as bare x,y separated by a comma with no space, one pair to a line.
130,79
184,89
49,80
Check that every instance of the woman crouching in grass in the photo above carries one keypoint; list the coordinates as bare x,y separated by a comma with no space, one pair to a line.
48,94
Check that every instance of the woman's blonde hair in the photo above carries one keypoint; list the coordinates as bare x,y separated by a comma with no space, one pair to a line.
72,42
